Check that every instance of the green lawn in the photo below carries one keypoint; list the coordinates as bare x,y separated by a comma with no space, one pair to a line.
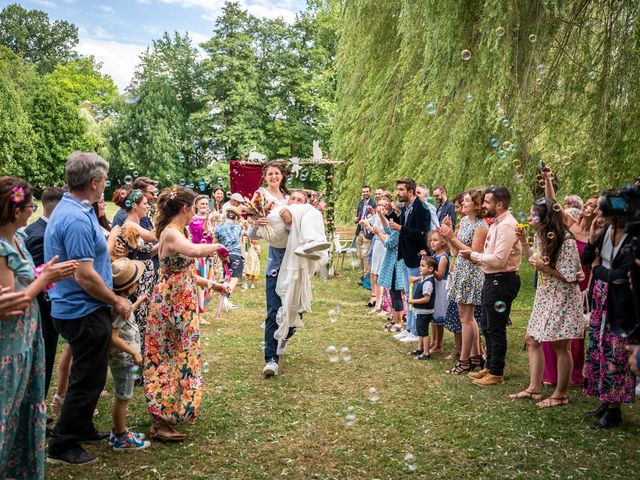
293,426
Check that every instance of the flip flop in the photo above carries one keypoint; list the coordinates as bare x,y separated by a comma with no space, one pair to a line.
526,395
553,402
164,437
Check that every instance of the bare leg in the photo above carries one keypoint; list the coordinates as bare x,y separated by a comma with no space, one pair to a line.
470,332
119,415
64,368
438,331
536,364
565,365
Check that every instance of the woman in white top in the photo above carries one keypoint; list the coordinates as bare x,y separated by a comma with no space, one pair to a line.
378,252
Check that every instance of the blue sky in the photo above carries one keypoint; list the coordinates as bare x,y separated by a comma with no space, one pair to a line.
116,31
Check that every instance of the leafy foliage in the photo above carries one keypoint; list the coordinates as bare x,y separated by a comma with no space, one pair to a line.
557,80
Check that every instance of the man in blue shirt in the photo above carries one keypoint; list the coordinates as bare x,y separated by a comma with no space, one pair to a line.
81,305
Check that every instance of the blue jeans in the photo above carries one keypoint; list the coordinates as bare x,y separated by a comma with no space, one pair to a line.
273,304
411,321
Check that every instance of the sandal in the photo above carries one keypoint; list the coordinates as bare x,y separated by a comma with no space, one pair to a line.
170,436
553,402
422,356
526,394
463,366
416,352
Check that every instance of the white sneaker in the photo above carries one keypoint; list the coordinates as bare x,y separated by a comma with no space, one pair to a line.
300,251
402,334
245,286
410,338
314,246
270,369
253,286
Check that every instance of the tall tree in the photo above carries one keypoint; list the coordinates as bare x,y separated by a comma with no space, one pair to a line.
30,33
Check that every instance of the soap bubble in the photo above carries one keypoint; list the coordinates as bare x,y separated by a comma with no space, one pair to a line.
303,175
517,178
500,306
409,457
350,418
430,108
196,144
178,142
208,180
373,395
107,183
516,162
557,207
220,181
500,31
506,144
334,358
128,179
540,69
533,38
131,165
466,55
179,96
205,367
182,182
331,349
495,283
127,203
592,75
493,141
191,185
135,371
202,186
344,349
545,260
538,81
135,173
502,153
351,409
506,123
551,235
181,158
469,98
410,462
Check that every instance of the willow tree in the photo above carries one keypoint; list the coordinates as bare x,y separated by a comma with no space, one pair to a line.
476,93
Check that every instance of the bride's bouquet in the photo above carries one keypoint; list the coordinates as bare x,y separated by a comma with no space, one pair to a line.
260,207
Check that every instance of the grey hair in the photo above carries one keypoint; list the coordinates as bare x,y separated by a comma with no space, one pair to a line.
82,168
422,186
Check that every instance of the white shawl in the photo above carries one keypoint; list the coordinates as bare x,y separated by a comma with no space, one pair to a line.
294,280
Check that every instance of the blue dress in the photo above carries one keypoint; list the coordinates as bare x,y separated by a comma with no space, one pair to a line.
22,371
391,266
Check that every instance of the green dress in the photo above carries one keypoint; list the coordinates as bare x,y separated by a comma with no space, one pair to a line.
22,404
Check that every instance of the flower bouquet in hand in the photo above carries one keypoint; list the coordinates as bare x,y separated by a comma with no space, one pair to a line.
258,208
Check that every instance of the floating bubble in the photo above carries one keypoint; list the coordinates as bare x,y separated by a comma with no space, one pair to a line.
495,283
516,162
500,306
220,181
500,31
556,207
131,165
181,158
592,75
179,96
541,183
373,395
178,142
350,419
506,144
196,144
289,181
538,81
128,179
331,349
127,204
430,108
517,178
346,358
334,359
107,183
205,367
409,458
466,55
182,182
135,173
351,409
545,260
303,175
469,98
533,38
208,180
202,186
502,153
506,123
135,371
540,69
493,141
273,273
412,467
551,235
191,185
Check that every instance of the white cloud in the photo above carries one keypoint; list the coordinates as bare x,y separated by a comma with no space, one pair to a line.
144,2
267,10
259,8
46,3
106,8
119,60
101,33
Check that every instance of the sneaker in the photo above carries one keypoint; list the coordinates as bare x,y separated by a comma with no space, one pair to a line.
308,255
410,338
282,344
315,246
113,435
245,286
395,328
253,285
402,334
270,369
128,441
75,456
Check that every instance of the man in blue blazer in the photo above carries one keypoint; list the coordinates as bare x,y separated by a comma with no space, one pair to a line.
35,244
445,207
415,220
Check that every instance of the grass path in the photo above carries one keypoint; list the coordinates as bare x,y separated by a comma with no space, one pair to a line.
293,426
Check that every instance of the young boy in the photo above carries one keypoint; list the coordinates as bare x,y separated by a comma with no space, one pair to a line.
423,301
124,356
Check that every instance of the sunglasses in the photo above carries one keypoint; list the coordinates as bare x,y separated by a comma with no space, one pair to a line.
32,207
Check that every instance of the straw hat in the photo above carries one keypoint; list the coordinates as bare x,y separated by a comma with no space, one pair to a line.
232,209
126,272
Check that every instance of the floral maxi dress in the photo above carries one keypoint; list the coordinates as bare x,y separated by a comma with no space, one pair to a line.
172,363
22,403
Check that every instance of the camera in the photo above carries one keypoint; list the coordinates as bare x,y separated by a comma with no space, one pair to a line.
624,204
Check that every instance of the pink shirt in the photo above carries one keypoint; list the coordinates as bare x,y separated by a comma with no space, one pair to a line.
502,249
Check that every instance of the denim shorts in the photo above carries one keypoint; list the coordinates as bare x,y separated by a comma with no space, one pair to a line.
122,382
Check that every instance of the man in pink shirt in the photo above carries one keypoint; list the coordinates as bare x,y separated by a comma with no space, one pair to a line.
500,261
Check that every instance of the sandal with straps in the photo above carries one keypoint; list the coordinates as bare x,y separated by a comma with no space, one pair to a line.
553,402
463,366
526,395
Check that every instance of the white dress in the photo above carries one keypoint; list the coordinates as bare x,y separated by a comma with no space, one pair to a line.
378,248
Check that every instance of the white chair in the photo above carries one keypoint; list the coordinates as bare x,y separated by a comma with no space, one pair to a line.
340,250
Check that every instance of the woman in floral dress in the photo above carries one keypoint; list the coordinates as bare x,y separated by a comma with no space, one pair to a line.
172,365
467,278
557,308
22,370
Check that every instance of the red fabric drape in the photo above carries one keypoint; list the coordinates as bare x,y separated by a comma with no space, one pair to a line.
245,178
